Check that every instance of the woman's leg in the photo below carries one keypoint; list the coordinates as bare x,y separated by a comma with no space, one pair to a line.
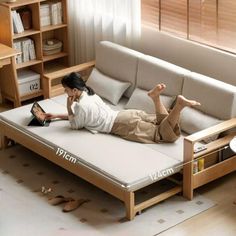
169,130
154,94
181,102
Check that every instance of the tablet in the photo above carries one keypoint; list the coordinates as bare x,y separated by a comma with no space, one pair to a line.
39,113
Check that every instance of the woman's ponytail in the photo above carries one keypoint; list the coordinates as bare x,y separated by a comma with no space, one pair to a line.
90,91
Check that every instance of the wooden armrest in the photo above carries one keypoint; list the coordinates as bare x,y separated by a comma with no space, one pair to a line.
216,129
63,72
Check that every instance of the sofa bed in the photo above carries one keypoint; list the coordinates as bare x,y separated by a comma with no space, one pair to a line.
122,77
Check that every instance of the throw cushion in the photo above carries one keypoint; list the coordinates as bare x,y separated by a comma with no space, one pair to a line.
192,120
141,101
106,87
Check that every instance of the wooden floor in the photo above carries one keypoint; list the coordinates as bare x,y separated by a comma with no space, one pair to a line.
217,221
5,107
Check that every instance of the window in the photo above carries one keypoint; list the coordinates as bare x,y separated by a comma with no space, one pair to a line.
212,22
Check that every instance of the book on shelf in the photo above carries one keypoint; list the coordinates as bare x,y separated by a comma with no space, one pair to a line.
27,49
59,13
32,53
56,13
45,18
20,23
17,46
14,22
50,13
17,22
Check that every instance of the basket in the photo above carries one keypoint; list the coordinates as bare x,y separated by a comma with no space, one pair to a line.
51,46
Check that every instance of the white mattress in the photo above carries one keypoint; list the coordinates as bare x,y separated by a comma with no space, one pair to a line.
125,163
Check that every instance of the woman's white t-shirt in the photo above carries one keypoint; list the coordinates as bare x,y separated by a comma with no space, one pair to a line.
92,113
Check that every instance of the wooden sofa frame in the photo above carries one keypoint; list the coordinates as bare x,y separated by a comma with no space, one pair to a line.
190,181
9,132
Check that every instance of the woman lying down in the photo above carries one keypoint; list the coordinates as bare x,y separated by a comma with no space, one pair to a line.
92,113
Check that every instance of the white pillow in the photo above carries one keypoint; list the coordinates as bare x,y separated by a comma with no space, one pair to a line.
192,121
106,87
141,101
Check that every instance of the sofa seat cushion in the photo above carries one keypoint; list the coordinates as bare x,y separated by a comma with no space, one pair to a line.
173,150
107,87
141,101
152,71
217,98
124,163
117,62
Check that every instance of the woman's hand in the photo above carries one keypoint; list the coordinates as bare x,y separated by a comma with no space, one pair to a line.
70,101
50,116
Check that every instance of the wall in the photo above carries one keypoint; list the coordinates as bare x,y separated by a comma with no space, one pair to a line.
195,57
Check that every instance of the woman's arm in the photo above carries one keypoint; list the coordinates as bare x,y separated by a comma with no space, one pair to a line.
75,116
50,116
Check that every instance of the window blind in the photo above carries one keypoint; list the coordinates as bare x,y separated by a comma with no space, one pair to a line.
227,24
212,22
174,16
203,21
150,13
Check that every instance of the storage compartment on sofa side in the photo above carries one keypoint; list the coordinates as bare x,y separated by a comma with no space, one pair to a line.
216,161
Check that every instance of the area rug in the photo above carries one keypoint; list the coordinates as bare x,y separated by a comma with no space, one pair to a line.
25,210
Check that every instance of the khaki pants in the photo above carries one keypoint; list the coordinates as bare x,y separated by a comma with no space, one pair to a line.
136,125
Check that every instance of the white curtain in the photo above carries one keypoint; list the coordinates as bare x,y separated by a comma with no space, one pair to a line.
90,21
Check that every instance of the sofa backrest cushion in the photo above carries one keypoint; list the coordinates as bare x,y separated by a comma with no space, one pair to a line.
118,62
141,101
217,98
192,121
152,71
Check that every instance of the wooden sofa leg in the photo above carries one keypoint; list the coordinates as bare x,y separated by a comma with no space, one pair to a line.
129,205
188,169
4,142
188,181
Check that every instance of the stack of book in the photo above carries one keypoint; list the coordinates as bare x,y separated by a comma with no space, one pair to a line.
50,13
17,22
27,49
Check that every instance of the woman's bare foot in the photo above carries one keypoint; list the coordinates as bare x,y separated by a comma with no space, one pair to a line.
155,92
184,102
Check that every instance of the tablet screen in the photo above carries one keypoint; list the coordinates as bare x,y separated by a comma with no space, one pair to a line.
39,113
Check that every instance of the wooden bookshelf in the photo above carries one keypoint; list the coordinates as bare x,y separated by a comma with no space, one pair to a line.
27,64
26,33
38,34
